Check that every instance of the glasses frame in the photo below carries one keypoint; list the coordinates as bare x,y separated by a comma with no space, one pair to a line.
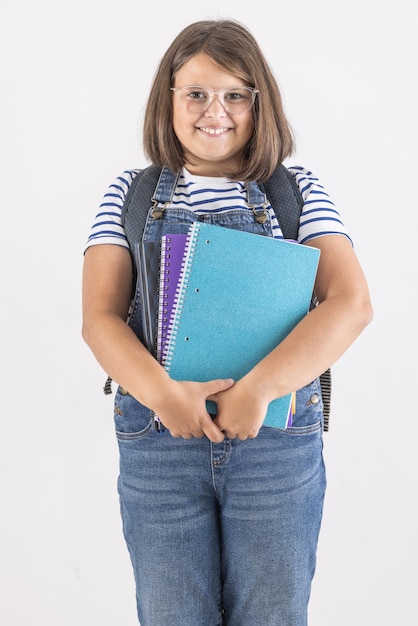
212,93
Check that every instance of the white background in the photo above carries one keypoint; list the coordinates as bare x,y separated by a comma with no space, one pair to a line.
75,77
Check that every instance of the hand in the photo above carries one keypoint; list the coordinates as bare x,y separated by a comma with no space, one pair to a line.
240,411
182,408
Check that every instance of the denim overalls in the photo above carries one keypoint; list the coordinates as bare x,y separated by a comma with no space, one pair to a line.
218,534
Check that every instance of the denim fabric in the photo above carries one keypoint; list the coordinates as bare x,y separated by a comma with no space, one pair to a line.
221,534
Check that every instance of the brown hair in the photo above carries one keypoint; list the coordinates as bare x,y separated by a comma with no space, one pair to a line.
231,46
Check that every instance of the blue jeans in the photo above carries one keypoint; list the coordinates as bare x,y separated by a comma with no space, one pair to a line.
222,534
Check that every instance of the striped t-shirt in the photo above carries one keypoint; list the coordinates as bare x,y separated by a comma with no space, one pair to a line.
204,195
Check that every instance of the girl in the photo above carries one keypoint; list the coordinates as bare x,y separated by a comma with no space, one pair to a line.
221,515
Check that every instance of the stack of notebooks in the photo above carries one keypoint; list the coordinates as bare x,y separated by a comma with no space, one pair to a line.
226,299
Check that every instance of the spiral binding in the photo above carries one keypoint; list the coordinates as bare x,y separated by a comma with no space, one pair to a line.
162,298
174,321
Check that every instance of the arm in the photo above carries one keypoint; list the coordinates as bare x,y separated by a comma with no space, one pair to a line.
107,289
314,344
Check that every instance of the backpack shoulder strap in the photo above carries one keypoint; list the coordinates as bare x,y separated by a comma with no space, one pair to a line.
138,201
134,213
286,199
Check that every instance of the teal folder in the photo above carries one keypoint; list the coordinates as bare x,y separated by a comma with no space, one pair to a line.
238,297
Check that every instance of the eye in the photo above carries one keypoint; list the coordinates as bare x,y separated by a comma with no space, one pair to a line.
237,95
196,93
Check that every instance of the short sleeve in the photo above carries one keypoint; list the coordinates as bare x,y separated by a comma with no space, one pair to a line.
319,215
107,226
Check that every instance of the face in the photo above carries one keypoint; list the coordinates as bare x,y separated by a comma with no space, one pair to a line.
214,140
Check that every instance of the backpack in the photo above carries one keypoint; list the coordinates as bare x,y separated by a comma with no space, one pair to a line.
280,189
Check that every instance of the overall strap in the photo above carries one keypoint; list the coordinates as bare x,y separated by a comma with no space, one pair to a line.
257,201
165,187
156,189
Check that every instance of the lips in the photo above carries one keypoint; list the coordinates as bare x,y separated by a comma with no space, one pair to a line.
214,131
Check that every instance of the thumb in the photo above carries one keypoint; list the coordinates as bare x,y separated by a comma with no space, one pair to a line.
212,387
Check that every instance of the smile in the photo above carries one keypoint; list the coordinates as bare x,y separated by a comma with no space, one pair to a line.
214,131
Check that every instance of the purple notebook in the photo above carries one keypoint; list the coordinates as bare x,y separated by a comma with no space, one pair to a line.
172,252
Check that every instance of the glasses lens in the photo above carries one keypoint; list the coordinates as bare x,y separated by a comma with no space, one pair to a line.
234,100
238,100
195,99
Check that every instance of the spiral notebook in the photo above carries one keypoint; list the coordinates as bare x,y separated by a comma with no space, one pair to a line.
235,299
171,262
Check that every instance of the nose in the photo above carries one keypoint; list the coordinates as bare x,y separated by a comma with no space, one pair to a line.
216,108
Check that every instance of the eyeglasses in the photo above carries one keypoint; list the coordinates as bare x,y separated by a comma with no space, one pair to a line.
197,99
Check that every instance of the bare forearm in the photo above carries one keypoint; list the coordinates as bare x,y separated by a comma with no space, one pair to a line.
180,405
313,346
124,357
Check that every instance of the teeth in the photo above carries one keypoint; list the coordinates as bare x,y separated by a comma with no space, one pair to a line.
214,131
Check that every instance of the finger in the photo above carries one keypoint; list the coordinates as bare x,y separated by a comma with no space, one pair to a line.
252,434
237,432
177,434
193,433
212,387
212,432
